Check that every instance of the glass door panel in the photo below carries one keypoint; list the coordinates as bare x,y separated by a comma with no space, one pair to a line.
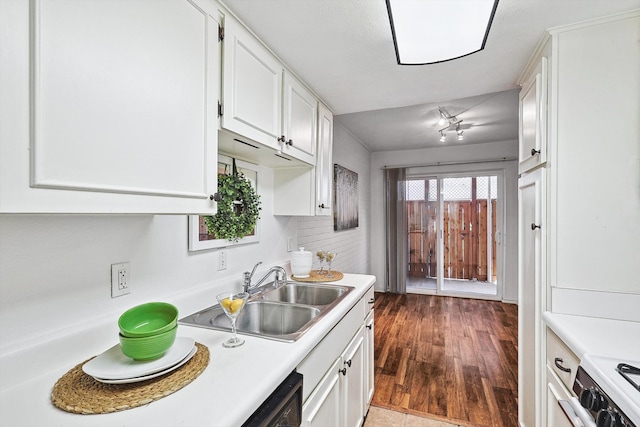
422,223
452,225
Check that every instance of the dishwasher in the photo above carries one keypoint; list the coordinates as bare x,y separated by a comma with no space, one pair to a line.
283,408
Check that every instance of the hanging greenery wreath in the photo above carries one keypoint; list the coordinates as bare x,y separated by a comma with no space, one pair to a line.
238,207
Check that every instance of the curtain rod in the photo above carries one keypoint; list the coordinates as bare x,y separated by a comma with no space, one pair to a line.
469,162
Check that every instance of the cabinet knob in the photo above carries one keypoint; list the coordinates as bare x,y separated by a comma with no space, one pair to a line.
534,151
558,362
215,197
289,142
369,326
534,226
348,363
282,138
343,371
321,206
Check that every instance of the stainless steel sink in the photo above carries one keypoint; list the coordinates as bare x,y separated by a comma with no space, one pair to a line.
282,314
306,294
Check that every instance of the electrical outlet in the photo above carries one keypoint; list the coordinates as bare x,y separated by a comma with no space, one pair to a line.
120,279
222,260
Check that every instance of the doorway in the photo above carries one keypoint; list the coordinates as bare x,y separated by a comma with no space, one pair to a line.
453,227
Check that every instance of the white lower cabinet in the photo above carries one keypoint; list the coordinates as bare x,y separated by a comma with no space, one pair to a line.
556,396
352,378
323,406
338,399
338,373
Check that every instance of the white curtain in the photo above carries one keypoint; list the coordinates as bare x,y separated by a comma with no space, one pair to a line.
396,230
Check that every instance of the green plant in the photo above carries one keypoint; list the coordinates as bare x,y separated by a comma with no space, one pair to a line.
238,208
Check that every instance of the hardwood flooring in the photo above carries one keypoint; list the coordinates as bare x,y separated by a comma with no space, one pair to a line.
449,358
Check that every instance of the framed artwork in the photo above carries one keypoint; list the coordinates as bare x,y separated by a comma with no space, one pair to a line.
199,236
345,193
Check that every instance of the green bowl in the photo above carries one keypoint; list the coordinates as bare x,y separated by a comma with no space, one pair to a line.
148,348
148,319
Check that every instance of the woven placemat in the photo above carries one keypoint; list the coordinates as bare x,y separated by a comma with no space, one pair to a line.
315,276
80,393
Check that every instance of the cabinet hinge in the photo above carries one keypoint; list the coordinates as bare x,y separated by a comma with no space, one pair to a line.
220,33
220,109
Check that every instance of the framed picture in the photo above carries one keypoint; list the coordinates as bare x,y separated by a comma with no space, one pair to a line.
345,193
199,236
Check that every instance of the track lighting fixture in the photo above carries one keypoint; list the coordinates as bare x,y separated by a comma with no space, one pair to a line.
449,122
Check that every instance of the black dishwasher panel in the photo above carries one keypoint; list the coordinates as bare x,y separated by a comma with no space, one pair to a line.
283,408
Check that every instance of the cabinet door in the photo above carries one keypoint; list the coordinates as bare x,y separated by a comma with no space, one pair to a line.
324,162
533,110
299,125
122,99
531,293
369,359
323,407
353,396
252,87
557,395
596,166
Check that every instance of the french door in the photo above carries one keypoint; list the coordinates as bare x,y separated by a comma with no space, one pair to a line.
453,227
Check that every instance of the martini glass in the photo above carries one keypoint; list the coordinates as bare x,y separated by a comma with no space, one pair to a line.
232,305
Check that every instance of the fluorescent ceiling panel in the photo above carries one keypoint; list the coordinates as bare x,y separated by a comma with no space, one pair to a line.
430,31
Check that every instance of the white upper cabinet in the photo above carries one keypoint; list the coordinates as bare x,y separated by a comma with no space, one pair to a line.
252,87
264,102
596,167
299,125
324,162
111,109
533,117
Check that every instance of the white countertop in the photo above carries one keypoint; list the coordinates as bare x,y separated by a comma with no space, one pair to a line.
597,336
601,344
230,389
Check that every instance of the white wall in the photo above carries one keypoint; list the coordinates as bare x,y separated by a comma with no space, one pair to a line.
316,233
470,153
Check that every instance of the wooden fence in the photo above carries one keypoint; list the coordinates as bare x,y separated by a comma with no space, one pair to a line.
465,239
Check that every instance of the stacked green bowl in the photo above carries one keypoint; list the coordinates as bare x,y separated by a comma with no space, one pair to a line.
147,331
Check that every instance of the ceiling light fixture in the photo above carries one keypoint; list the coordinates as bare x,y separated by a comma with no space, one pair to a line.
418,29
450,123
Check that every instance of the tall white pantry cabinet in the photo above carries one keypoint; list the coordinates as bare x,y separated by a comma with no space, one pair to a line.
579,190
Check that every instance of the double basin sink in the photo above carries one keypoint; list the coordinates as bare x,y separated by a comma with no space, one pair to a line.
282,314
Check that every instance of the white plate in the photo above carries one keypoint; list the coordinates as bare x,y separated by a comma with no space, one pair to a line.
114,365
154,375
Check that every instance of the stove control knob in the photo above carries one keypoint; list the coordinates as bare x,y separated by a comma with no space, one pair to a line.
608,418
592,400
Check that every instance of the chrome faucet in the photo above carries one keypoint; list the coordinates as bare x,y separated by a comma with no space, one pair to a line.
280,278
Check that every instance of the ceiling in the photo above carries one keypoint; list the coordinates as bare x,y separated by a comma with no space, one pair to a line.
343,50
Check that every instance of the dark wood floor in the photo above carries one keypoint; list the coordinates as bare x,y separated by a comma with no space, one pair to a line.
454,358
